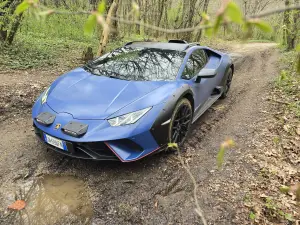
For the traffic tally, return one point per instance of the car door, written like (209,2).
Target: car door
(203,89)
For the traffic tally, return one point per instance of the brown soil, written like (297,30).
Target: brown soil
(155,190)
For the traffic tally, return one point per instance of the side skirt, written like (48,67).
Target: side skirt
(212,99)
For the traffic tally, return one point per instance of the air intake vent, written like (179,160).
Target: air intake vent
(178,41)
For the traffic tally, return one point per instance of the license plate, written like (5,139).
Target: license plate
(55,142)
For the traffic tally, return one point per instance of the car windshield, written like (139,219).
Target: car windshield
(138,64)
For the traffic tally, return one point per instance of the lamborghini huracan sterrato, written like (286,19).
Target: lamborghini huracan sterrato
(133,101)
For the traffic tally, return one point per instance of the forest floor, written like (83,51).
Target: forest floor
(157,190)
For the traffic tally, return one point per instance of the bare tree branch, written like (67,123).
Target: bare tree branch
(187,169)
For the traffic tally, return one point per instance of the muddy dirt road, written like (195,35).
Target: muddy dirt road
(156,190)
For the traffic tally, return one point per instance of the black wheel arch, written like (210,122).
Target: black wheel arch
(230,66)
(159,130)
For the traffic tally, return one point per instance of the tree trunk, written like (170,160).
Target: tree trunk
(106,30)
(199,33)
(287,23)
(9,26)
(14,29)
(160,11)
(296,26)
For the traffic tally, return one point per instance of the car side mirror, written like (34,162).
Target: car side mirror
(206,73)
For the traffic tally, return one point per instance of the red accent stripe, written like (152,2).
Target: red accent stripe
(132,159)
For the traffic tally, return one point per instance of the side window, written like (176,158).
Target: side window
(195,63)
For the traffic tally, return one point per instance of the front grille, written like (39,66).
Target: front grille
(98,148)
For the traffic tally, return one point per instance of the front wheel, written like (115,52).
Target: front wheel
(180,122)
(227,84)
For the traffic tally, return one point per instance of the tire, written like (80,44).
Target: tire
(180,122)
(227,84)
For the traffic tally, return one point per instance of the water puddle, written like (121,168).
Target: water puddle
(57,200)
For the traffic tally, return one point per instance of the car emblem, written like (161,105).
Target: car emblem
(57,126)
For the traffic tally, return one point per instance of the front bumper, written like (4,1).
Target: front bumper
(124,150)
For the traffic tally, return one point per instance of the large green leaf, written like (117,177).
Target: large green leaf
(234,13)
(90,25)
(102,7)
(262,25)
(22,7)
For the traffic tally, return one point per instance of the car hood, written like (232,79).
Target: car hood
(87,96)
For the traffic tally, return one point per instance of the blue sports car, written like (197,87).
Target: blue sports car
(133,101)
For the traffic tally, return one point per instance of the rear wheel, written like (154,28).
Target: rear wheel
(180,122)
(227,85)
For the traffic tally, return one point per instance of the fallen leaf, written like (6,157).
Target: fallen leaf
(284,189)
(17,205)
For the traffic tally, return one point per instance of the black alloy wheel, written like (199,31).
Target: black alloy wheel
(181,121)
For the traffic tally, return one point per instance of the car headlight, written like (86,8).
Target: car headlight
(129,118)
(45,95)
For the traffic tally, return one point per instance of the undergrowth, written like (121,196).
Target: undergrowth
(288,82)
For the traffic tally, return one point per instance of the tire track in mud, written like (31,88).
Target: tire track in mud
(159,191)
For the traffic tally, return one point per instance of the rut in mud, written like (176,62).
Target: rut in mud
(155,190)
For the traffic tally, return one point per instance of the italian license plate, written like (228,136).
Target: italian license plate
(55,142)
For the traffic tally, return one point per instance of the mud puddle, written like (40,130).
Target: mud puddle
(57,200)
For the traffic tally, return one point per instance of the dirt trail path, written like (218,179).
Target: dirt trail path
(155,190)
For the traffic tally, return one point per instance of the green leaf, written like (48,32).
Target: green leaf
(252,215)
(218,22)
(172,145)
(22,7)
(298,48)
(102,7)
(288,217)
(262,25)
(284,189)
(220,157)
(234,13)
(90,25)
(208,32)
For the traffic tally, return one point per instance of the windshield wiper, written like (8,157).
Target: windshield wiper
(116,77)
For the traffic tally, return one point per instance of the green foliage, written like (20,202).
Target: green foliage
(262,25)
(288,81)
(274,211)
(102,7)
(173,13)
(90,25)
(172,145)
(220,157)
(284,189)
(252,215)
(2,4)
(298,59)
(22,7)
(234,13)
